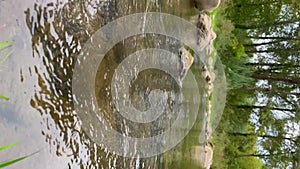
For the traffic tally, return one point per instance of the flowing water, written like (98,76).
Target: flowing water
(48,38)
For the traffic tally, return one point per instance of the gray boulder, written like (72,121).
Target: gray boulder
(207,5)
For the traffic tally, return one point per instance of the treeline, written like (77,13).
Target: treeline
(259,44)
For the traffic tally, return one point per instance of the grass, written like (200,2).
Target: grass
(4,97)
(213,18)
(218,89)
(219,138)
(11,162)
(3,46)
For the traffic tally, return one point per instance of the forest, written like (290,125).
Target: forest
(258,42)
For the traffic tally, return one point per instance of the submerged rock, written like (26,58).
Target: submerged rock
(151,79)
(186,61)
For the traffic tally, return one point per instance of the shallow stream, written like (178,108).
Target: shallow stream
(63,100)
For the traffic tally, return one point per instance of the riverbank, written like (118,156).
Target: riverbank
(216,94)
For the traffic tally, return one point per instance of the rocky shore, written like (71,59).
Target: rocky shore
(204,153)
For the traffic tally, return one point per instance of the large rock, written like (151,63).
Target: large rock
(203,155)
(206,34)
(207,5)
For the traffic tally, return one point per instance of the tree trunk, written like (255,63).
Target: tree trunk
(263,136)
(273,37)
(265,43)
(268,90)
(286,79)
(283,50)
(261,107)
(238,26)
(253,155)
(273,64)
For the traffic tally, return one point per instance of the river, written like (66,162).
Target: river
(65,97)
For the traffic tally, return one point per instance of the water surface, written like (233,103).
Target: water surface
(48,37)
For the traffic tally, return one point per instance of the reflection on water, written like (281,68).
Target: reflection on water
(58,33)
(140,87)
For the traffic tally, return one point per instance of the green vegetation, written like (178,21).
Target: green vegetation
(4,97)
(184,163)
(3,46)
(258,43)
(11,162)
